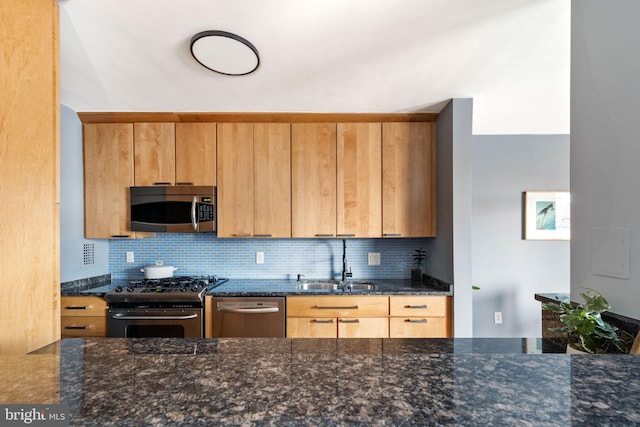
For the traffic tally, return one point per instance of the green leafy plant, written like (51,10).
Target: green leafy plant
(584,325)
(418,257)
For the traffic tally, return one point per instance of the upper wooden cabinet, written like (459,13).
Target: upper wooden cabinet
(254,184)
(313,179)
(155,153)
(108,174)
(408,180)
(195,154)
(272,179)
(359,180)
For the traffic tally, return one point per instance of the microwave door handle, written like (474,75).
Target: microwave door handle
(193,214)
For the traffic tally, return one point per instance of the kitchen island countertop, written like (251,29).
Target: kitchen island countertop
(279,381)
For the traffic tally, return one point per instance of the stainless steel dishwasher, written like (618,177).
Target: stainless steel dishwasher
(249,317)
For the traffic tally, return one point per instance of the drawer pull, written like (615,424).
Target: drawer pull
(416,306)
(161,183)
(330,307)
(324,235)
(347,235)
(392,235)
(323,321)
(76,327)
(241,235)
(77,307)
(262,235)
(416,320)
(184,183)
(349,321)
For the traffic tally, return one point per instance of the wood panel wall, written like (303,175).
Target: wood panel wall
(29,173)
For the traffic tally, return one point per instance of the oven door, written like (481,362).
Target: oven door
(155,322)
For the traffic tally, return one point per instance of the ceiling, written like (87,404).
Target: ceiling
(511,56)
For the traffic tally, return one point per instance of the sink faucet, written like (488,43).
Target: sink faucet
(345,274)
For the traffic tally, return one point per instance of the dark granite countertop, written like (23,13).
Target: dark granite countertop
(328,382)
(280,287)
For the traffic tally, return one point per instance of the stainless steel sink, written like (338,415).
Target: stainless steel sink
(335,286)
(319,286)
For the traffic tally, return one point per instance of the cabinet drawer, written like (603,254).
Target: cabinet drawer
(83,306)
(84,326)
(309,327)
(418,327)
(432,306)
(338,306)
(363,327)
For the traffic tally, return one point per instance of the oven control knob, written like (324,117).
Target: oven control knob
(130,289)
(118,289)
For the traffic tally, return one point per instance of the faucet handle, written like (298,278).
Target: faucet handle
(348,273)
(300,277)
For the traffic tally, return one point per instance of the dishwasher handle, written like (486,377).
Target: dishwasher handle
(248,310)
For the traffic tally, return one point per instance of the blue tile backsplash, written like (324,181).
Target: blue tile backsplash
(205,254)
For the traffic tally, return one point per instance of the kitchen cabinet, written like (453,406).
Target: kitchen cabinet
(83,316)
(313,179)
(408,180)
(420,316)
(359,180)
(155,153)
(254,180)
(195,154)
(108,174)
(339,316)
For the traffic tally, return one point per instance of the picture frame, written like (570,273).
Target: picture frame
(546,215)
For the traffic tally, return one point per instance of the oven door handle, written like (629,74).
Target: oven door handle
(193,214)
(249,310)
(123,317)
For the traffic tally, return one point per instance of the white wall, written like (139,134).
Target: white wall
(510,270)
(72,239)
(605,145)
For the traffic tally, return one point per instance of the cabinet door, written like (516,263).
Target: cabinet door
(155,153)
(363,327)
(272,179)
(359,180)
(412,305)
(108,174)
(408,180)
(195,154)
(83,326)
(338,306)
(235,180)
(309,327)
(419,327)
(92,306)
(313,179)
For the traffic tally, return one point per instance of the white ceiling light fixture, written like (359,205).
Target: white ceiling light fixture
(225,53)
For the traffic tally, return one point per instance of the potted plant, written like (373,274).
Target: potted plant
(584,326)
(418,258)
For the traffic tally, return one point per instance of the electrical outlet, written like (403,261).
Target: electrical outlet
(130,257)
(259,257)
(373,258)
(497,317)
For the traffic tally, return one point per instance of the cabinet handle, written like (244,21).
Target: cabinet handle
(324,235)
(416,320)
(262,235)
(416,306)
(391,234)
(349,321)
(347,235)
(241,235)
(181,183)
(161,183)
(76,327)
(120,236)
(322,321)
(329,307)
(77,307)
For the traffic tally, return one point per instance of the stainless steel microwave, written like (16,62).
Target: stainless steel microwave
(173,209)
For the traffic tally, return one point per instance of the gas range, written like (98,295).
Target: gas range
(178,291)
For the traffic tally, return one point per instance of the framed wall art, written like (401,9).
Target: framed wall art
(546,215)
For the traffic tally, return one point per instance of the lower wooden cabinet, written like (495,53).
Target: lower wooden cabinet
(352,316)
(420,316)
(83,317)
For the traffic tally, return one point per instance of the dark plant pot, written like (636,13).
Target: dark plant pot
(416,275)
